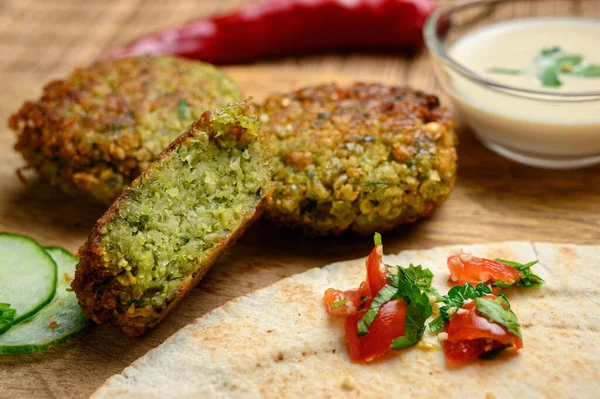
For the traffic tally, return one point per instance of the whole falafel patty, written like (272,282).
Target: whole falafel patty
(364,158)
(159,238)
(95,131)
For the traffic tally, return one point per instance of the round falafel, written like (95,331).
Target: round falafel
(365,158)
(96,131)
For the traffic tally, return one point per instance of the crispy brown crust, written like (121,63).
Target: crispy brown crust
(96,287)
(330,141)
(95,131)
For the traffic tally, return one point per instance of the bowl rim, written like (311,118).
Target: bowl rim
(434,45)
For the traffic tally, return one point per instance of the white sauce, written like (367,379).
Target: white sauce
(532,131)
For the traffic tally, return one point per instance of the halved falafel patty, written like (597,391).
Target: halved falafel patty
(364,158)
(95,131)
(160,237)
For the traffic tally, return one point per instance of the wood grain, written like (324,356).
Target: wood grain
(494,199)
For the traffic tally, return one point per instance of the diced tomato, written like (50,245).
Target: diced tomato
(471,335)
(475,270)
(463,351)
(387,326)
(376,270)
(389,322)
(354,298)
(376,280)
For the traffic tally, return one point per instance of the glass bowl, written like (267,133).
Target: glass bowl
(546,127)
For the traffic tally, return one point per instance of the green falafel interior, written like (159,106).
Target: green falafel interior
(159,238)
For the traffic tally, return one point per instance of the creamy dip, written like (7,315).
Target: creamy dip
(545,133)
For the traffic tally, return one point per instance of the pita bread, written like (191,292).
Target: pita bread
(279,342)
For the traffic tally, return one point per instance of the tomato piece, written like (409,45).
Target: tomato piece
(471,335)
(463,351)
(387,326)
(475,270)
(389,322)
(354,298)
(376,270)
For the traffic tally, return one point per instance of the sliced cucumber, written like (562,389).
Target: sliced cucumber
(27,276)
(55,323)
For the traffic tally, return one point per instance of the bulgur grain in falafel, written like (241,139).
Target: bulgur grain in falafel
(364,158)
(164,232)
(95,131)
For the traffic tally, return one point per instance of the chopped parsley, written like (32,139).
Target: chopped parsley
(409,284)
(548,77)
(494,311)
(7,315)
(386,294)
(589,71)
(527,280)
(549,51)
(454,300)
(377,239)
(550,63)
(339,303)
(505,71)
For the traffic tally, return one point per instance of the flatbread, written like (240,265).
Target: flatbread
(279,342)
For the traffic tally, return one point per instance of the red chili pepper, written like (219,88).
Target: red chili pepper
(290,27)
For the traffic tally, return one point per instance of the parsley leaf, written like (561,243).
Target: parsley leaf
(377,239)
(455,299)
(422,278)
(384,295)
(339,303)
(459,294)
(409,284)
(505,71)
(589,71)
(493,310)
(548,76)
(7,315)
(527,280)
(549,51)
(418,310)
(437,324)
(566,62)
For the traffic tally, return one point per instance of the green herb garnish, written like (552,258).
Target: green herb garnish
(417,312)
(505,71)
(589,71)
(7,315)
(409,284)
(549,51)
(527,280)
(566,63)
(455,299)
(493,310)
(182,109)
(339,303)
(548,77)
(377,239)
(386,294)
(550,63)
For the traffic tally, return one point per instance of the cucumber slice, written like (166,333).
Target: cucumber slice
(27,277)
(36,333)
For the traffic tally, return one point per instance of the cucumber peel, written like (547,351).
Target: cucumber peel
(55,323)
(27,278)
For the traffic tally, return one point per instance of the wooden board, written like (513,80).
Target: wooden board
(494,199)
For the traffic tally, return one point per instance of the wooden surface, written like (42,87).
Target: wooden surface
(494,199)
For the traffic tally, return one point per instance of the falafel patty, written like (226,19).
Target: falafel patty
(364,158)
(164,232)
(95,131)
